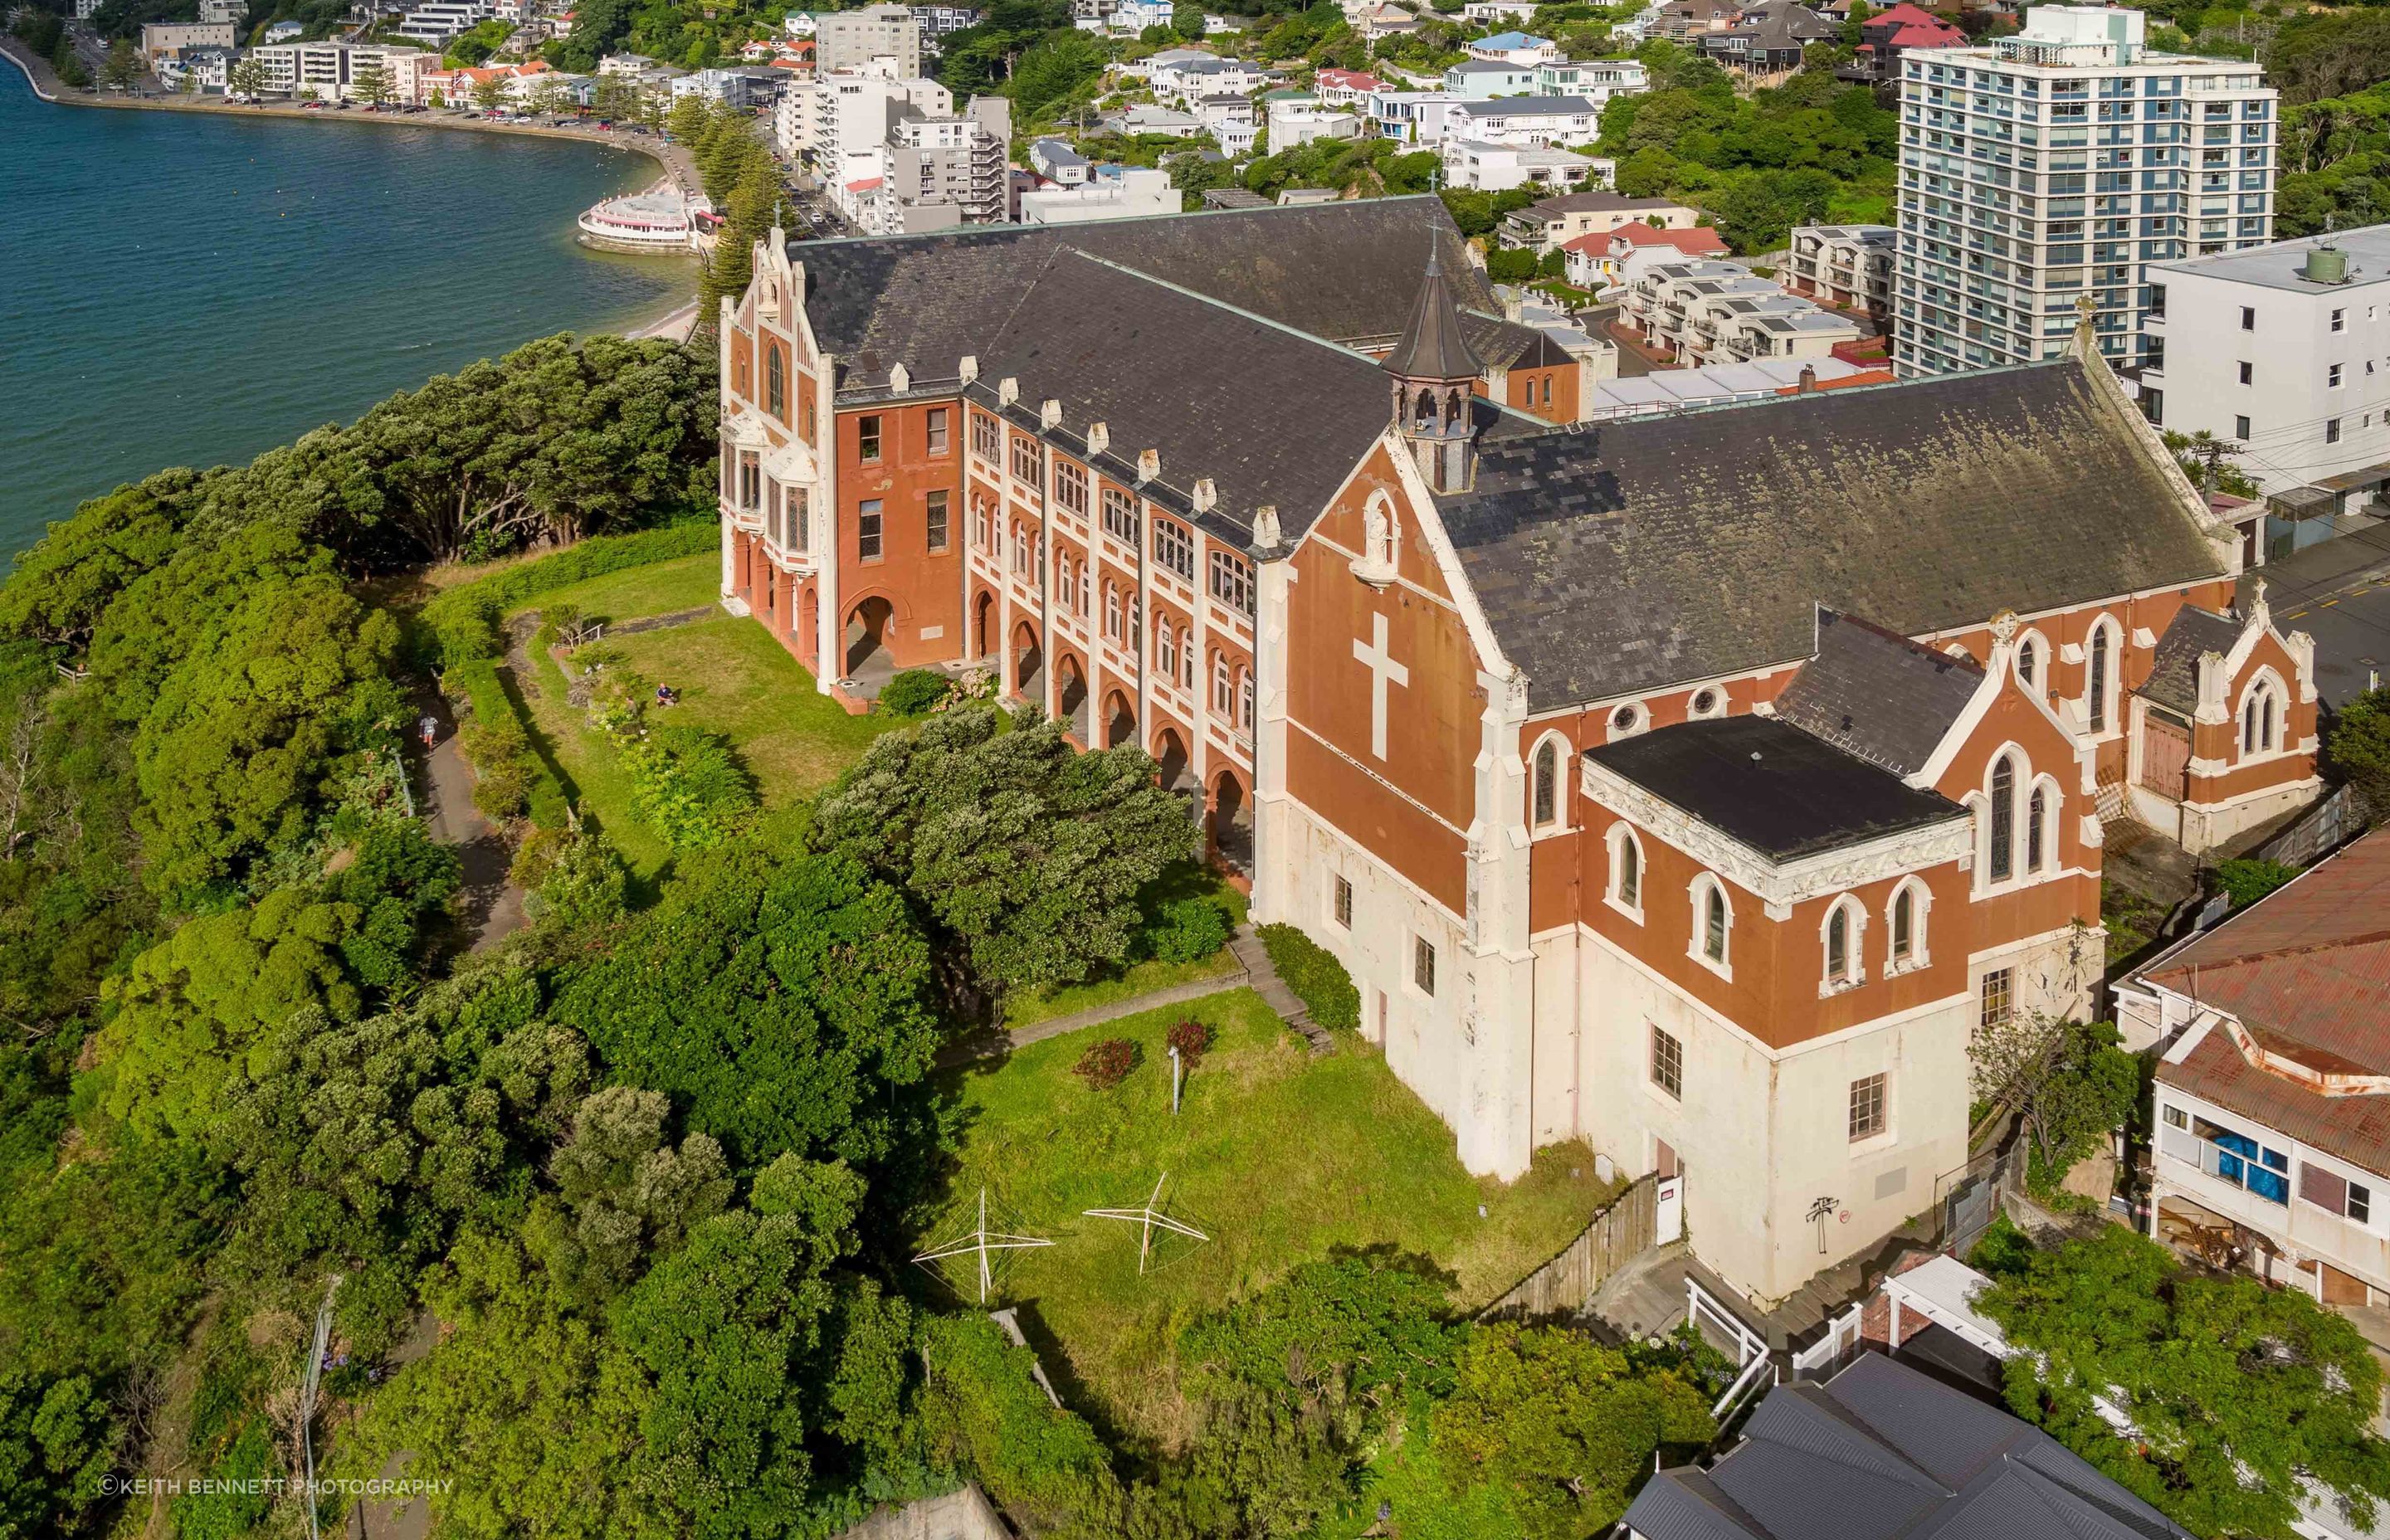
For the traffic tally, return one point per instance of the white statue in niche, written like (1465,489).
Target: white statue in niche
(1378,537)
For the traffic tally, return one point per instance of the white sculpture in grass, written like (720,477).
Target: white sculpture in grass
(977,1245)
(1148,1218)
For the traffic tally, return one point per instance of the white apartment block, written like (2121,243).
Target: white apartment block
(2056,165)
(1597,80)
(222,10)
(1292,123)
(846,39)
(1112,193)
(2284,351)
(1849,266)
(1476,166)
(326,71)
(161,38)
(439,21)
(1712,313)
(1532,121)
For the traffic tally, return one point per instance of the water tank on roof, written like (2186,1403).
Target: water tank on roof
(2325,265)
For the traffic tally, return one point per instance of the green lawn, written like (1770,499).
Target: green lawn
(659,588)
(1280,1157)
(1022,1011)
(732,678)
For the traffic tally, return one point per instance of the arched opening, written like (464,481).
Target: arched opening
(1120,721)
(808,632)
(1171,761)
(866,640)
(1232,822)
(2001,838)
(1028,664)
(984,627)
(1070,696)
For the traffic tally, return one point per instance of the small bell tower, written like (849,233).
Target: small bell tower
(1433,370)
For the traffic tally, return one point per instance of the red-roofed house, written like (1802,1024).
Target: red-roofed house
(1600,260)
(2273,1091)
(1344,87)
(1886,35)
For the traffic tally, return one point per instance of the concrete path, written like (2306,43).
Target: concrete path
(494,906)
(1252,971)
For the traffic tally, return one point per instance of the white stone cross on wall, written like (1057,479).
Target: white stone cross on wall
(1384,671)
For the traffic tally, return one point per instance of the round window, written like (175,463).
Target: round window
(1623,718)
(1705,702)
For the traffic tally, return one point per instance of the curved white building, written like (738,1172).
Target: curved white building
(660,220)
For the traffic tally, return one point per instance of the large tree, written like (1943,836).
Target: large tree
(1029,853)
(2237,1394)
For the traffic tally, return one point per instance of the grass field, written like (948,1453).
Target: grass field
(1280,1157)
(659,588)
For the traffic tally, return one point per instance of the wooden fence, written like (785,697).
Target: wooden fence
(2326,826)
(1561,1286)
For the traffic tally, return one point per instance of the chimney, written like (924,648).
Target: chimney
(900,379)
(1049,412)
(1099,437)
(1148,464)
(1205,495)
(1808,379)
(969,369)
(1007,391)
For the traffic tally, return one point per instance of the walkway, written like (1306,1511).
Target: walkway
(494,905)
(1252,971)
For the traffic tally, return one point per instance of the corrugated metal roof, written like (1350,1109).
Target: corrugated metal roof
(2355,1128)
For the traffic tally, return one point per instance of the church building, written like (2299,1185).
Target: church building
(1691,785)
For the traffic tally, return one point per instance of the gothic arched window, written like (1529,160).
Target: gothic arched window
(2095,693)
(2036,829)
(2001,856)
(1548,783)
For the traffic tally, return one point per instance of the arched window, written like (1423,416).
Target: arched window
(1187,663)
(1838,944)
(1548,783)
(2028,664)
(1904,927)
(1165,652)
(1219,684)
(2095,688)
(2260,717)
(2036,829)
(1712,920)
(1111,612)
(2000,856)
(776,385)
(1625,870)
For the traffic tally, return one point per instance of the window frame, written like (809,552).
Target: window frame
(1713,913)
(938,430)
(1869,1111)
(937,519)
(870,439)
(1231,581)
(1340,901)
(1664,1063)
(1174,549)
(1422,980)
(870,530)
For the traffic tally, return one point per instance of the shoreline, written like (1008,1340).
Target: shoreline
(46,86)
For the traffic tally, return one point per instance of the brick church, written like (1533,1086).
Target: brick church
(1692,785)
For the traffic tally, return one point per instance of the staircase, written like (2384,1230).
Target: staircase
(1249,951)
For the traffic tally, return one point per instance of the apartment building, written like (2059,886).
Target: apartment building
(847,39)
(1532,121)
(2054,167)
(1109,192)
(1477,166)
(1848,266)
(894,156)
(439,21)
(1710,313)
(161,39)
(2284,351)
(326,71)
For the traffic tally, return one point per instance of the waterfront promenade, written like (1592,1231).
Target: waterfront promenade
(672,157)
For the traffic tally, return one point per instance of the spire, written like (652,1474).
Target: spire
(1433,346)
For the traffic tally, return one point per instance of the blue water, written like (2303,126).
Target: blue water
(188,289)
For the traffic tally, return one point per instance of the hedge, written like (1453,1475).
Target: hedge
(1315,975)
(467,618)
(985,1413)
(509,777)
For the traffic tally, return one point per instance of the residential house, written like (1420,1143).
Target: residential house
(1597,80)
(1478,166)
(1480,80)
(1109,192)
(2273,1082)
(1161,121)
(1681,19)
(1412,117)
(1885,1449)
(1554,222)
(1523,48)
(1385,21)
(1718,312)
(1191,79)
(1601,259)
(164,38)
(1297,120)
(1344,87)
(1886,36)
(1847,266)
(1492,11)
(1058,162)
(1232,121)
(1768,39)
(1528,121)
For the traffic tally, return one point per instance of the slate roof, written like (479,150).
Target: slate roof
(1882,1451)
(1511,107)
(1512,344)
(1777,789)
(2174,666)
(1592,202)
(1619,557)
(1347,272)
(1087,333)
(1877,694)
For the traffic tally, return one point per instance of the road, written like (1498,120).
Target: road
(2338,593)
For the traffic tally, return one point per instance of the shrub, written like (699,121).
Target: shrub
(574,878)
(510,780)
(915,692)
(1315,975)
(1186,930)
(1107,1063)
(984,1412)
(689,786)
(2247,881)
(1192,1039)
(466,619)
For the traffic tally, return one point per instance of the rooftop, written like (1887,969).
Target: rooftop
(1504,107)
(1783,793)
(2174,667)
(1618,556)
(1593,203)
(1881,1451)
(2276,266)
(1877,694)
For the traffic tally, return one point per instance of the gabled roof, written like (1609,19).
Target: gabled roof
(2174,666)
(1701,240)
(1593,202)
(1347,271)
(1772,786)
(2306,968)
(1615,558)
(1877,694)
(1880,1452)
(1512,40)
